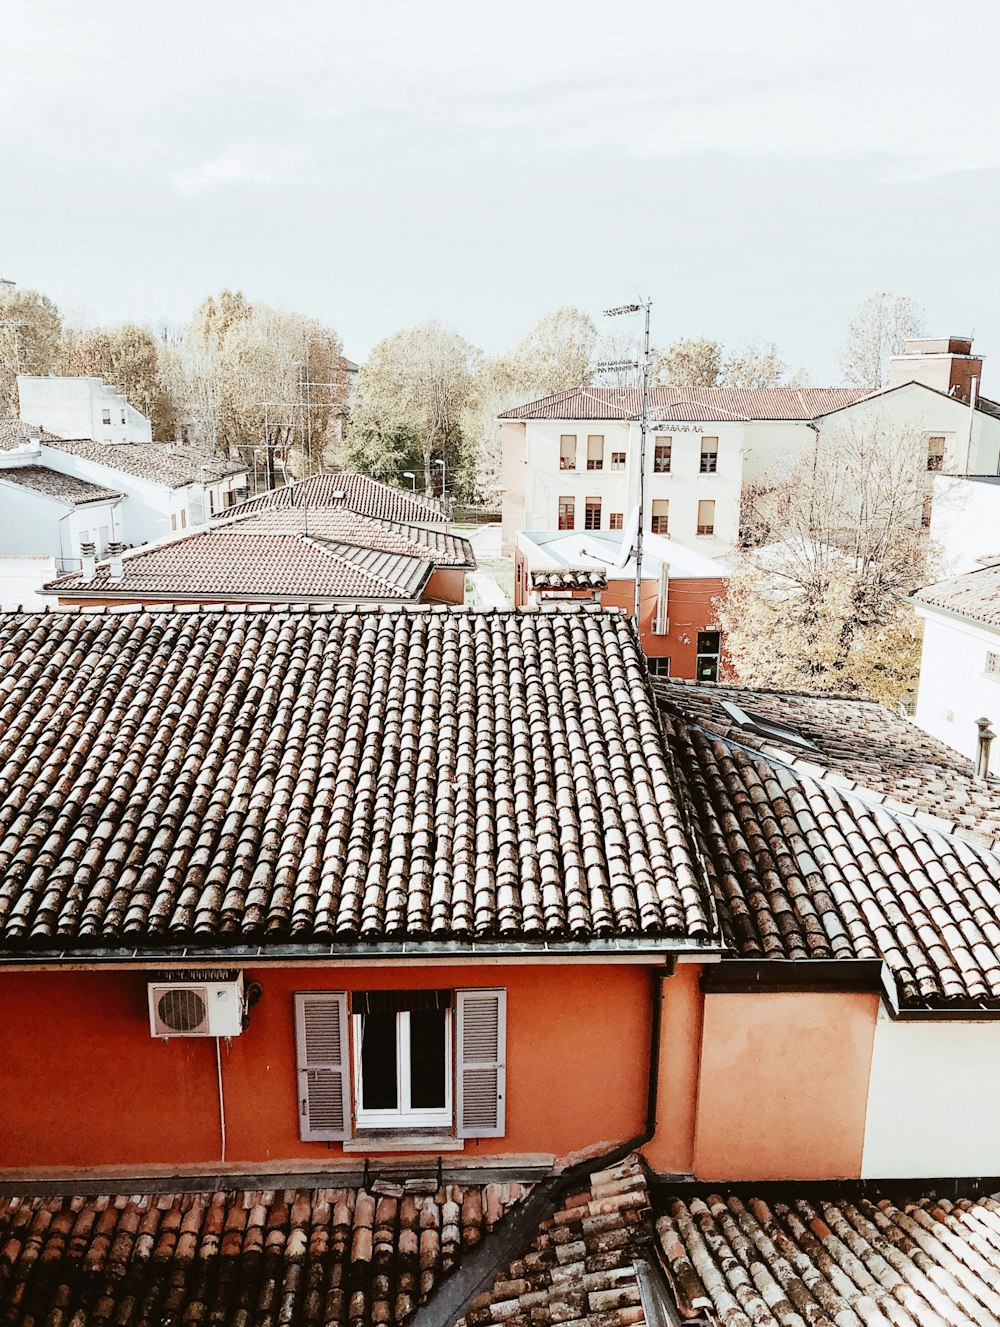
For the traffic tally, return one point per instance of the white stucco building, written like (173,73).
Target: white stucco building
(56,493)
(81,408)
(960,655)
(571,461)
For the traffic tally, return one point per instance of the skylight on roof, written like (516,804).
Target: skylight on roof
(765,727)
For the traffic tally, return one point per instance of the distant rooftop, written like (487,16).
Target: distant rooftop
(974,595)
(708,404)
(68,489)
(360,493)
(601,550)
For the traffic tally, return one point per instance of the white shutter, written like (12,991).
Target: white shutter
(482,1047)
(321,1040)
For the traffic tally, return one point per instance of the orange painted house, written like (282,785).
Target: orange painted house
(678,598)
(286,893)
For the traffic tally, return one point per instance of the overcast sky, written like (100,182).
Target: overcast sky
(757,166)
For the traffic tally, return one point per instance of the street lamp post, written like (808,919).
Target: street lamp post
(617,312)
(408,474)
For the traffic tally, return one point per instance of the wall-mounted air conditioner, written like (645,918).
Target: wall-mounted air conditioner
(213,1007)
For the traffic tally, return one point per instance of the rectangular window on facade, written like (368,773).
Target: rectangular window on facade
(617,460)
(567,513)
(595,451)
(659,667)
(706,517)
(616,520)
(709,455)
(993,665)
(661,516)
(106,416)
(935,453)
(123,416)
(709,651)
(184,519)
(661,455)
(592,514)
(173,520)
(426,1059)
(211,502)
(567,451)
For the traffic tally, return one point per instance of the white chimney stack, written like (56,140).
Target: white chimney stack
(117,571)
(88,554)
(986,738)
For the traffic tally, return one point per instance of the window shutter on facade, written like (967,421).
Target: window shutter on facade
(324,1081)
(482,1044)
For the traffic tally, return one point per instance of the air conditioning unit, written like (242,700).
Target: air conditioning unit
(213,1007)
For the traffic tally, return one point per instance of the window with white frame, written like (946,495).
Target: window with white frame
(709,652)
(993,665)
(106,416)
(661,454)
(709,455)
(567,451)
(595,451)
(371,1061)
(617,460)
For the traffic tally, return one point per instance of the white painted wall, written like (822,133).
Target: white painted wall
(36,525)
(81,408)
(955,690)
(531,461)
(965,522)
(20,579)
(933,1099)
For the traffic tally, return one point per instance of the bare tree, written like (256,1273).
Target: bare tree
(822,605)
(690,362)
(30,340)
(875,333)
(754,363)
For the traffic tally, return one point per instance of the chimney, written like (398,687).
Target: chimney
(946,363)
(117,572)
(88,553)
(983,744)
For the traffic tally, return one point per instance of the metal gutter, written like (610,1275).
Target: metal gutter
(651,950)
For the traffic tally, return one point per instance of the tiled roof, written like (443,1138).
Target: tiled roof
(975,595)
(803,869)
(349,527)
(915,1262)
(265,1257)
(158,462)
(268,777)
(359,493)
(237,565)
(580,1267)
(568,578)
(708,404)
(67,488)
(858,743)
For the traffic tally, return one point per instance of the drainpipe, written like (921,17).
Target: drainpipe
(984,741)
(972,419)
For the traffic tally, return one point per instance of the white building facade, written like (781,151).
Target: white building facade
(81,408)
(571,461)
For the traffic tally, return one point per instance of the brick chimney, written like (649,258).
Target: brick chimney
(944,363)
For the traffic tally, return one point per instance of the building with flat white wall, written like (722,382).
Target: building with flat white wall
(960,658)
(965,522)
(81,408)
(571,461)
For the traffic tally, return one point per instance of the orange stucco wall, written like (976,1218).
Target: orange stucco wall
(784,1085)
(445,586)
(671,1150)
(85,1086)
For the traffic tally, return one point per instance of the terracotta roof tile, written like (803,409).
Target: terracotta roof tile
(346,526)
(579,1267)
(709,404)
(568,578)
(803,869)
(52,483)
(285,777)
(267,1257)
(359,493)
(159,462)
(747,1262)
(238,564)
(975,595)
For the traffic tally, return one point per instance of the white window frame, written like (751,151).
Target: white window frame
(405,1117)
(992,669)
